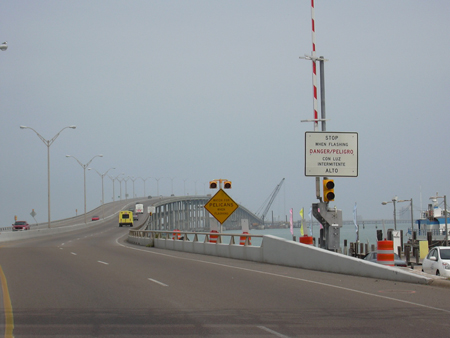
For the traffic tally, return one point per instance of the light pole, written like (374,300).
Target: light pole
(113,179)
(84,166)
(103,191)
(48,143)
(133,179)
(144,179)
(445,215)
(157,185)
(394,200)
(126,188)
(120,182)
(4,46)
(171,178)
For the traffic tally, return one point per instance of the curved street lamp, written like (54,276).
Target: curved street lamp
(113,179)
(103,191)
(132,178)
(84,166)
(144,179)
(394,200)
(157,185)
(126,186)
(48,143)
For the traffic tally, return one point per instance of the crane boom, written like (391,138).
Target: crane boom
(272,197)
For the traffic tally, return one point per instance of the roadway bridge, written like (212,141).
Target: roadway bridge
(188,213)
(87,279)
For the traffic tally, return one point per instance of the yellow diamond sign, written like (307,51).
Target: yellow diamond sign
(221,206)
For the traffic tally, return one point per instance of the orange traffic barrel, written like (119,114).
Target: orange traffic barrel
(243,239)
(176,234)
(213,238)
(307,240)
(385,252)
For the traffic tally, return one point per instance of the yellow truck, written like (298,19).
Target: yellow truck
(126,218)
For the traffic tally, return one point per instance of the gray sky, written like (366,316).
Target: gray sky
(202,90)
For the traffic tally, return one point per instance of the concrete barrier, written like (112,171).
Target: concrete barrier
(275,250)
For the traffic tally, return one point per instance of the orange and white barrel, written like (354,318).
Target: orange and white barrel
(307,240)
(213,238)
(243,239)
(385,252)
(176,234)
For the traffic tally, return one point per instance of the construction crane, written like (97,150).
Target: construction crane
(271,199)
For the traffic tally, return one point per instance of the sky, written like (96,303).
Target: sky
(184,92)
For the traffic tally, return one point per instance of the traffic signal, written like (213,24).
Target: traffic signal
(212,185)
(328,190)
(227,185)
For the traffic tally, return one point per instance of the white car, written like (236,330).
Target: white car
(437,261)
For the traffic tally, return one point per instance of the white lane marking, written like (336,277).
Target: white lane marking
(157,282)
(103,262)
(73,253)
(272,331)
(288,277)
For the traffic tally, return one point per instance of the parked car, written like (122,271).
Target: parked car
(20,225)
(372,257)
(95,218)
(437,261)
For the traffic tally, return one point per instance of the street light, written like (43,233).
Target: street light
(144,179)
(394,200)
(113,179)
(48,143)
(157,185)
(4,46)
(84,166)
(126,189)
(172,178)
(103,191)
(120,182)
(133,179)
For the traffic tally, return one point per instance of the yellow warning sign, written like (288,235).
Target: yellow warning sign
(221,206)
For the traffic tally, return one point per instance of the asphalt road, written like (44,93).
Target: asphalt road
(91,283)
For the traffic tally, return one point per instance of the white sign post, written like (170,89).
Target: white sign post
(331,154)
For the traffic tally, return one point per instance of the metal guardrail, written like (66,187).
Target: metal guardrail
(191,236)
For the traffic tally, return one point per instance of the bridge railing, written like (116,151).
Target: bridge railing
(196,237)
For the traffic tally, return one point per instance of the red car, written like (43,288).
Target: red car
(95,218)
(20,225)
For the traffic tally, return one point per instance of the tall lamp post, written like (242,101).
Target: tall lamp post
(144,179)
(394,200)
(126,188)
(84,166)
(113,179)
(133,179)
(171,179)
(48,143)
(103,191)
(157,185)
